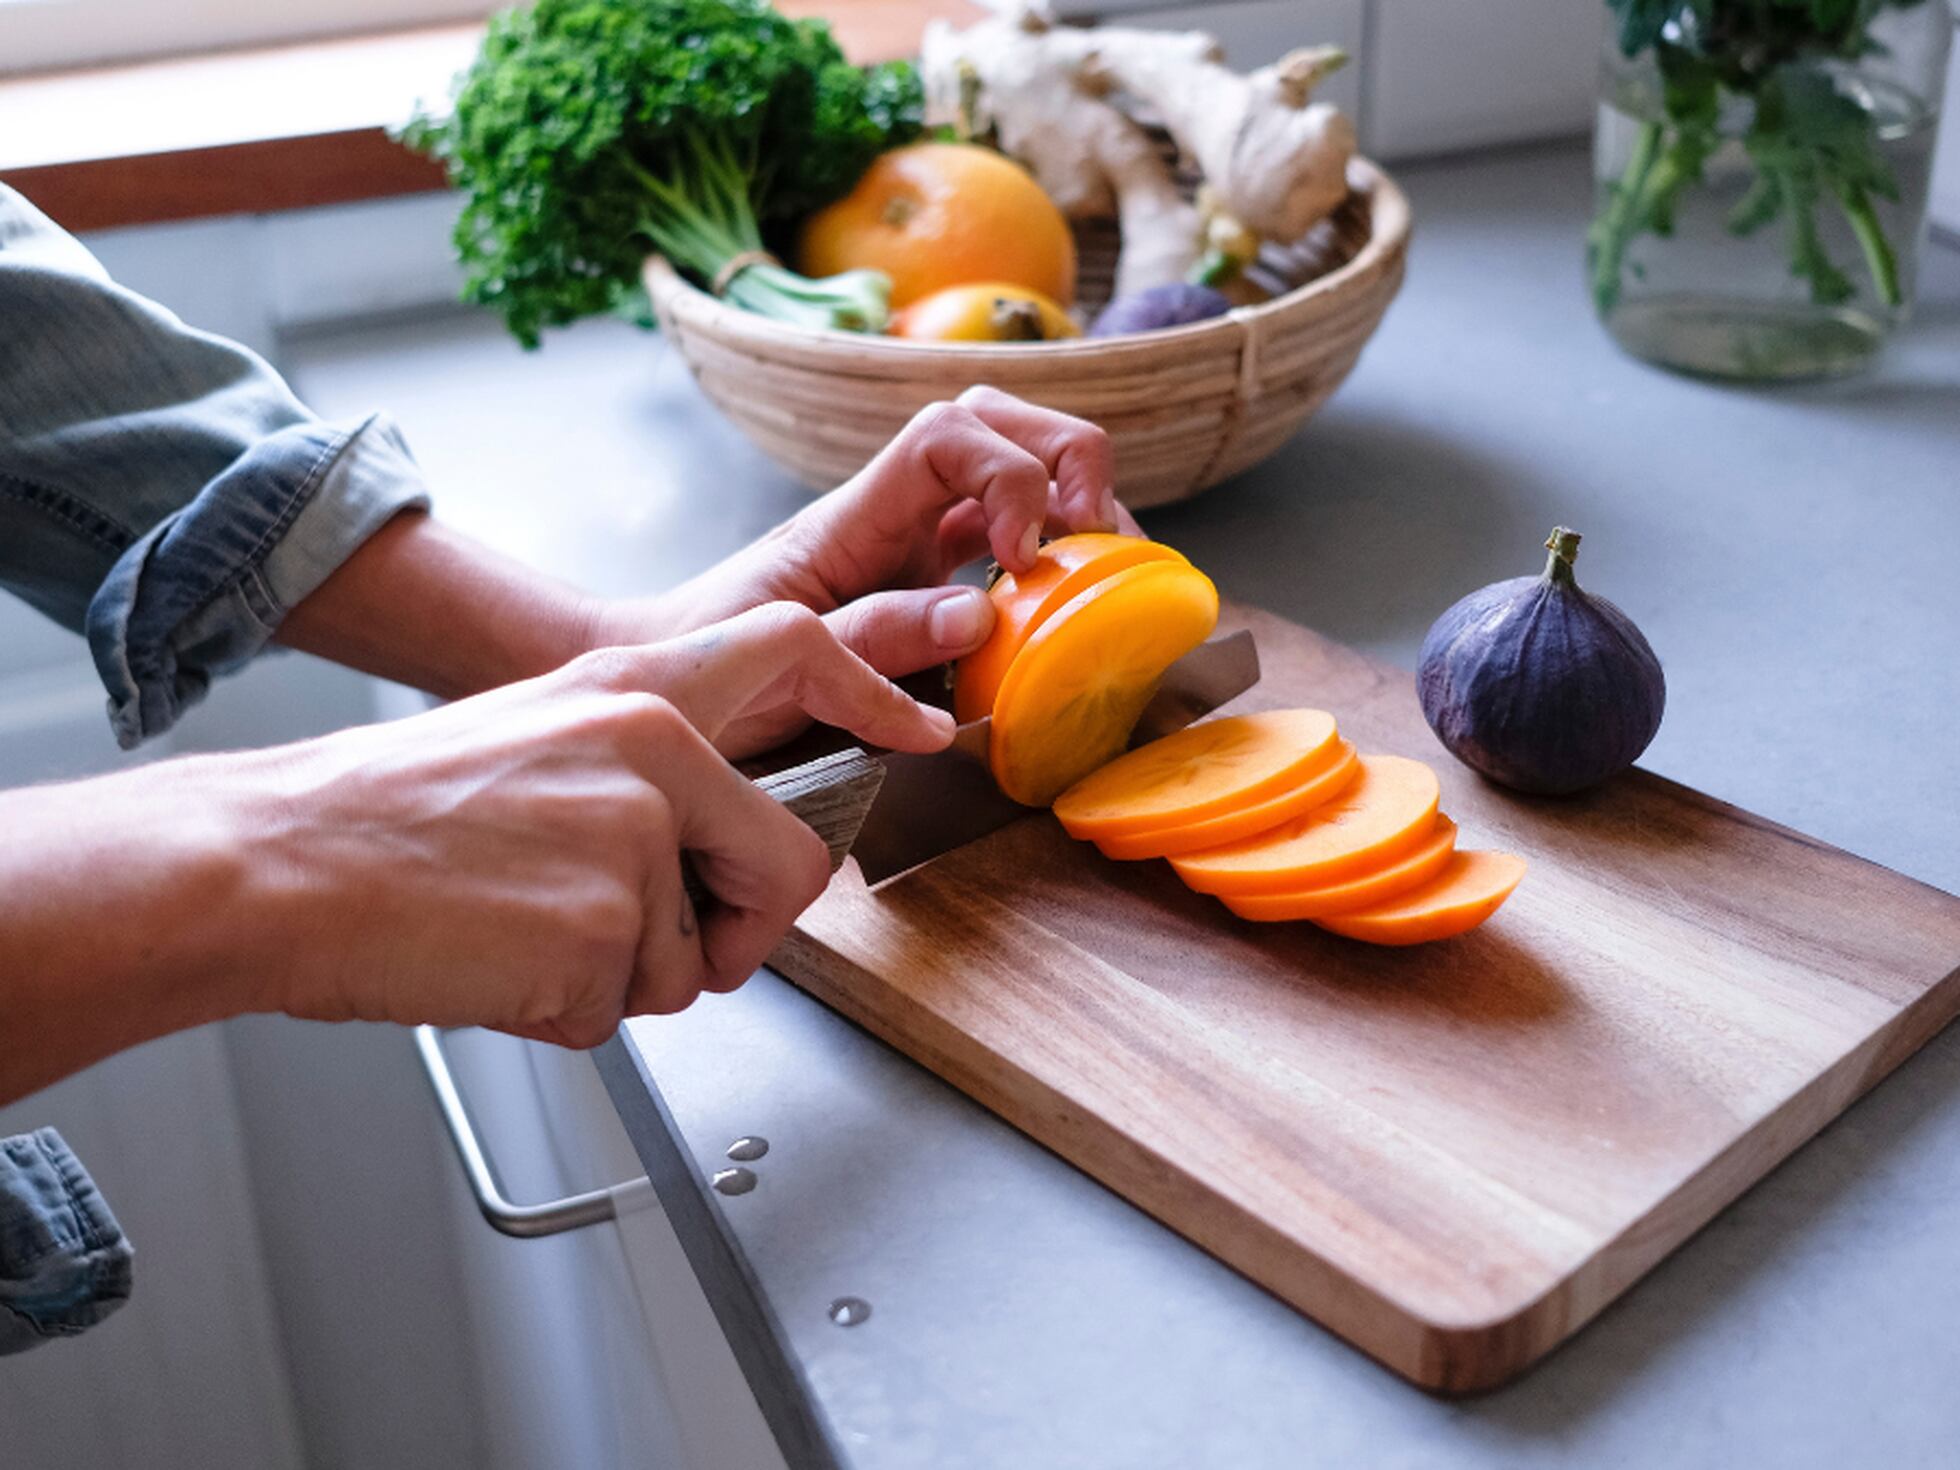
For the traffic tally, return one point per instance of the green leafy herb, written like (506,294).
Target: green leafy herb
(589,133)
(1809,142)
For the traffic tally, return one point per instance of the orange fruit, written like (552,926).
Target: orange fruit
(1470,888)
(1062,568)
(932,215)
(1388,810)
(1074,692)
(992,312)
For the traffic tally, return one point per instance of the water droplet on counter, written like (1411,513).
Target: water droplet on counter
(848,1311)
(734,1181)
(747,1150)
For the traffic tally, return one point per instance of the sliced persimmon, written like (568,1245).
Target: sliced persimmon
(1335,771)
(1413,869)
(1201,771)
(1023,602)
(1471,887)
(1073,694)
(1389,809)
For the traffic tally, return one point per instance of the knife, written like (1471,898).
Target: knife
(895,811)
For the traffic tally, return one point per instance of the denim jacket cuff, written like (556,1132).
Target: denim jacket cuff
(64,1261)
(207,588)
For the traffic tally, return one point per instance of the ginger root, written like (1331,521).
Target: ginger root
(1273,162)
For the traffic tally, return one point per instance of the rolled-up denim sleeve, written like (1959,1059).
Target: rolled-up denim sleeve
(160,487)
(64,1261)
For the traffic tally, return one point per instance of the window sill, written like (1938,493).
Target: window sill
(284,127)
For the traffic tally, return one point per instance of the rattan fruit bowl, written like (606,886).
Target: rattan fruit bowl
(1187,407)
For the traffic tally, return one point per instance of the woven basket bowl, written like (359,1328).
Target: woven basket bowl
(1186,407)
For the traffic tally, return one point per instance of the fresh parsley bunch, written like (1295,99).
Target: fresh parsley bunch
(590,133)
(1809,142)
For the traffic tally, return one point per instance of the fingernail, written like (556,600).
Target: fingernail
(1030,544)
(942,722)
(958,619)
(1106,508)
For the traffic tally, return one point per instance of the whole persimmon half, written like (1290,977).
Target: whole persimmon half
(932,215)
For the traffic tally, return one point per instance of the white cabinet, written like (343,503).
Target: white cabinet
(192,1372)
(1430,76)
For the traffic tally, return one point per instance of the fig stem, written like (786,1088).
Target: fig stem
(1564,547)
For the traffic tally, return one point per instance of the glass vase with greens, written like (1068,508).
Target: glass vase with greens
(1762,171)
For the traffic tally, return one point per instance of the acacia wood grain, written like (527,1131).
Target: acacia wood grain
(1452,1155)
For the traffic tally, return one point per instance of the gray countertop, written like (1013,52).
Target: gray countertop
(1792,556)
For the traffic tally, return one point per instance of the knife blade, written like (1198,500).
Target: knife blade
(930,804)
(895,811)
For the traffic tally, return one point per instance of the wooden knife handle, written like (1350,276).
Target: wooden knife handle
(831,795)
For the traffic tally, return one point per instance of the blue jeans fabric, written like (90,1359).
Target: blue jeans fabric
(64,1262)
(160,488)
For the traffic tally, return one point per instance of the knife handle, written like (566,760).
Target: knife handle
(830,795)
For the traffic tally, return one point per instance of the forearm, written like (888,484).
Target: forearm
(127,910)
(426,606)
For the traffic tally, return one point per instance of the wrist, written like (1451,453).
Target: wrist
(124,915)
(627,622)
(423,605)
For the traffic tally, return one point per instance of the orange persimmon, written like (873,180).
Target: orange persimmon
(1023,602)
(1389,809)
(1201,771)
(1411,870)
(1072,695)
(1470,888)
(1330,776)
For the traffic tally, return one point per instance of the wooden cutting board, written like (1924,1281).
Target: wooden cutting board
(1452,1155)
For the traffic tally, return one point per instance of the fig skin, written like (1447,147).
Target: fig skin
(1540,686)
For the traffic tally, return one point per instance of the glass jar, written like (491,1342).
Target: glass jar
(1761,185)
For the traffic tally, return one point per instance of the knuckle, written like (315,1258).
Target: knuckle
(983,395)
(585,1031)
(645,718)
(790,622)
(940,418)
(610,925)
(604,668)
(652,817)
(666,995)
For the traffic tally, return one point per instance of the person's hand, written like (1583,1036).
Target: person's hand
(514,860)
(988,472)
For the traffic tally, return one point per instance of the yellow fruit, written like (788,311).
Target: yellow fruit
(993,311)
(933,215)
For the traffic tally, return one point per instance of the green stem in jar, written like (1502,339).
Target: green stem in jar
(1880,259)
(1620,220)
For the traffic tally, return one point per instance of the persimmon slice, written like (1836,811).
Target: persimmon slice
(1336,769)
(1072,696)
(1062,568)
(1389,809)
(1470,888)
(1411,870)
(1201,771)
